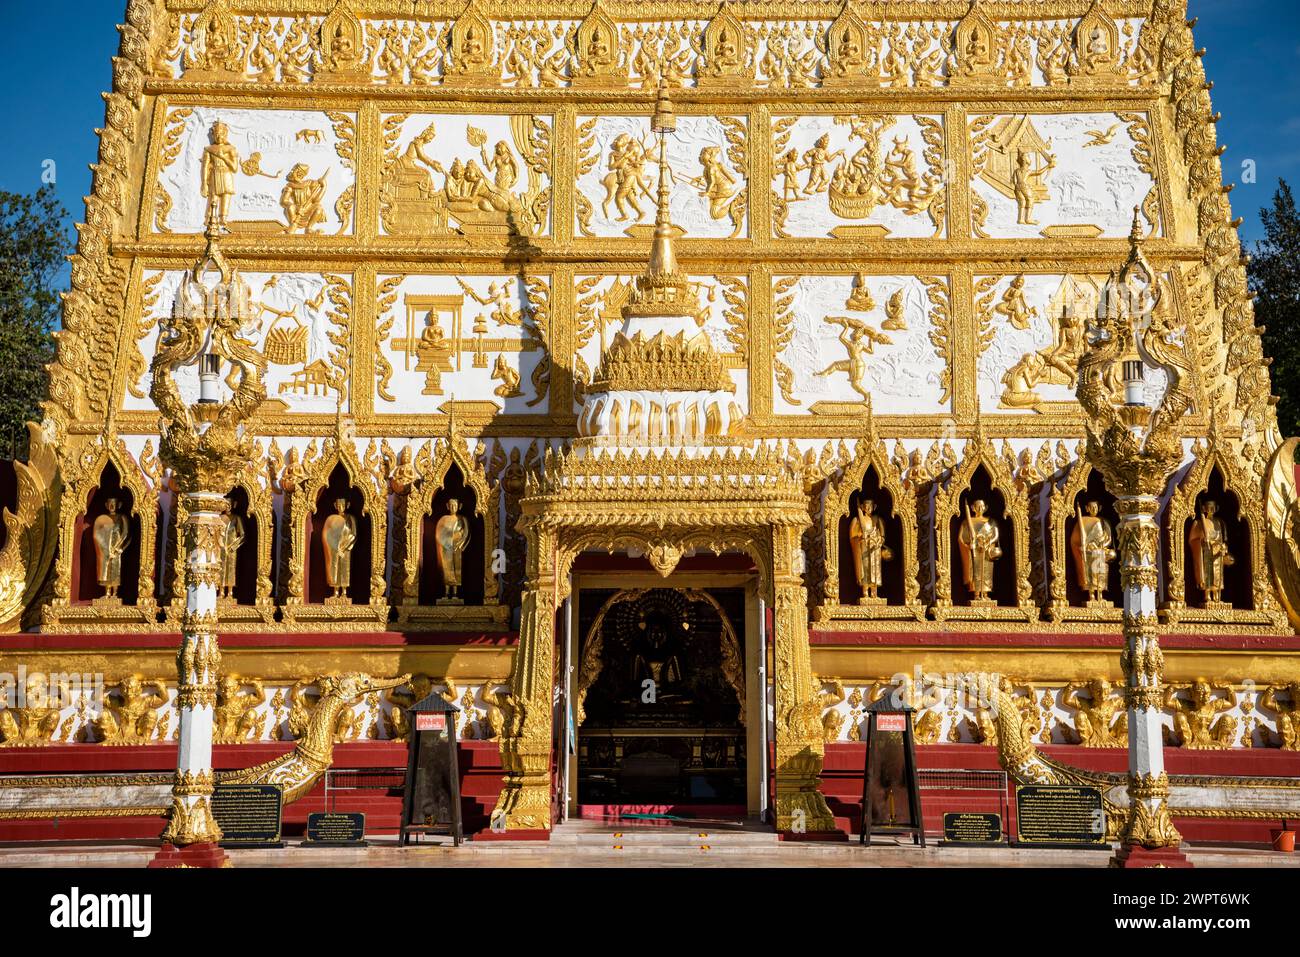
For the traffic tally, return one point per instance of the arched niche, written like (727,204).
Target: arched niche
(92,474)
(433,586)
(251,600)
(982,475)
(338,488)
(85,585)
(1216,474)
(336,473)
(1082,484)
(446,470)
(870,475)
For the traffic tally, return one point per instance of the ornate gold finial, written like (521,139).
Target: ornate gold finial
(663,258)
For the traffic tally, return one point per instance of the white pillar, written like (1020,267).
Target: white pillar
(198,664)
(1149,824)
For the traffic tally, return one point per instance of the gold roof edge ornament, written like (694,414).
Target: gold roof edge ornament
(32,533)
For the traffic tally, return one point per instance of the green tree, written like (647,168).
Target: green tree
(34,244)
(1275,280)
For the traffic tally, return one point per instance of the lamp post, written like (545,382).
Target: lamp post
(1137,448)
(205,445)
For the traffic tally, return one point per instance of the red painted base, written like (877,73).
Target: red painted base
(1132,856)
(540,834)
(195,855)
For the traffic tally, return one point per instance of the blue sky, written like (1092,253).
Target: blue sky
(50,84)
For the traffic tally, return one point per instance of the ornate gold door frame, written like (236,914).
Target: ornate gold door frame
(744,635)
(557,533)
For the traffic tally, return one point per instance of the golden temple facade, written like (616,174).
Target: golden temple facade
(590,327)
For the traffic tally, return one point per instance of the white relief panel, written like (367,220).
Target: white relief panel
(467,338)
(850,337)
(292,322)
(859,177)
(483,175)
(723,317)
(281,169)
(619,181)
(1033,327)
(1069,175)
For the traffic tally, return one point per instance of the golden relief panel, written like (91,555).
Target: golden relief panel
(859,176)
(618,171)
(723,316)
(1061,175)
(257,172)
(482,340)
(300,322)
(846,341)
(486,177)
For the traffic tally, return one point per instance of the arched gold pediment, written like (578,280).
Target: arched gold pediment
(83,472)
(850,46)
(975,46)
(726,52)
(1217,453)
(596,51)
(433,462)
(301,502)
(1096,44)
(979,453)
(471,48)
(870,454)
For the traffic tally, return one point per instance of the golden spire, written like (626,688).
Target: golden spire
(663,259)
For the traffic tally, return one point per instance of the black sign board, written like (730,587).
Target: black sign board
(248,814)
(1050,815)
(431,803)
(970,827)
(891,798)
(336,829)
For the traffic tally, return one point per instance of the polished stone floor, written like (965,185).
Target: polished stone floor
(586,844)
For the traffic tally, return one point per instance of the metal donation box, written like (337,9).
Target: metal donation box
(891,799)
(431,804)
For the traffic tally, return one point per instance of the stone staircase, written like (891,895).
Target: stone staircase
(650,837)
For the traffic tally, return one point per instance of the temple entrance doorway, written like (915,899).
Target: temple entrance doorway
(665,690)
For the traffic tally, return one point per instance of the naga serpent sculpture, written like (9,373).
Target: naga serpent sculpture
(298,771)
(1026,764)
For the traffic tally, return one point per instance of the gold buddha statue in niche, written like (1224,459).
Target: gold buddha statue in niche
(1208,544)
(867,541)
(231,538)
(338,536)
(978,540)
(1092,545)
(451,538)
(112,535)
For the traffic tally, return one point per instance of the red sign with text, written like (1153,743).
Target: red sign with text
(430,722)
(891,722)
